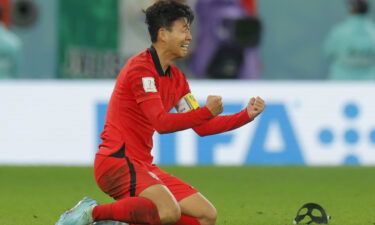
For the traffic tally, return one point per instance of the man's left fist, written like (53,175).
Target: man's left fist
(255,107)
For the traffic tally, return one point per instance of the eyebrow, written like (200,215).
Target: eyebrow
(186,25)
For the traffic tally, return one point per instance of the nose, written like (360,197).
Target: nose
(189,37)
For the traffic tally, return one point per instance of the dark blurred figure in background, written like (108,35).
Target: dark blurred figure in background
(351,45)
(10,45)
(227,40)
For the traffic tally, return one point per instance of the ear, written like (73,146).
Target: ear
(163,34)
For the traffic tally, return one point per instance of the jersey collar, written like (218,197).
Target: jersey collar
(157,64)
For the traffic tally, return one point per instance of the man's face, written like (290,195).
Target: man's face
(178,38)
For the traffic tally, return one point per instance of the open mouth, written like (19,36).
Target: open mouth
(185,47)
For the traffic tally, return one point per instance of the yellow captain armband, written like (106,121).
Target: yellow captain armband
(187,103)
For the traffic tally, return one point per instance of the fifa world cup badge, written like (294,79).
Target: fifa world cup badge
(149,84)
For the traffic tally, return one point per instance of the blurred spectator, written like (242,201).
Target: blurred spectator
(134,37)
(10,51)
(227,38)
(351,45)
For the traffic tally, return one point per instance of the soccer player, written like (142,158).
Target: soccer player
(147,88)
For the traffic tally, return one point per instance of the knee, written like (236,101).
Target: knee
(209,217)
(170,215)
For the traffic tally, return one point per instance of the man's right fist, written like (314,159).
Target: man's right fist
(214,104)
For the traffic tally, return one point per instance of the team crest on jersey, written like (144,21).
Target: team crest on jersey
(149,84)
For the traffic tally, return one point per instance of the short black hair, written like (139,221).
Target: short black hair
(164,13)
(359,6)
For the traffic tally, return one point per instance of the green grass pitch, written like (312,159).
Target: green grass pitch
(242,195)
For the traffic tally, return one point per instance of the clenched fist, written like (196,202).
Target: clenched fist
(214,104)
(255,107)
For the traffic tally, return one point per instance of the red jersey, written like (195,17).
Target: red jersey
(141,79)
(139,105)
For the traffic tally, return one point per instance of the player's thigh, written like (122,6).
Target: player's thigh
(198,206)
(191,202)
(168,207)
(179,188)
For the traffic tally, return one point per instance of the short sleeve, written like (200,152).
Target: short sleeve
(143,84)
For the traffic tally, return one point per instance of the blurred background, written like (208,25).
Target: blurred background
(60,39)
(59,60)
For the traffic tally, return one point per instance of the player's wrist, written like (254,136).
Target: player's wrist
(246,115)
(207,112)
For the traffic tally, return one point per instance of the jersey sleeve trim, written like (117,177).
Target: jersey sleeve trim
(148,97)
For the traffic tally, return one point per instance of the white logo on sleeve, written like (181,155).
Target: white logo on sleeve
(149,84)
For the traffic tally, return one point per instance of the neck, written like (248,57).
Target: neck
(165,57)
